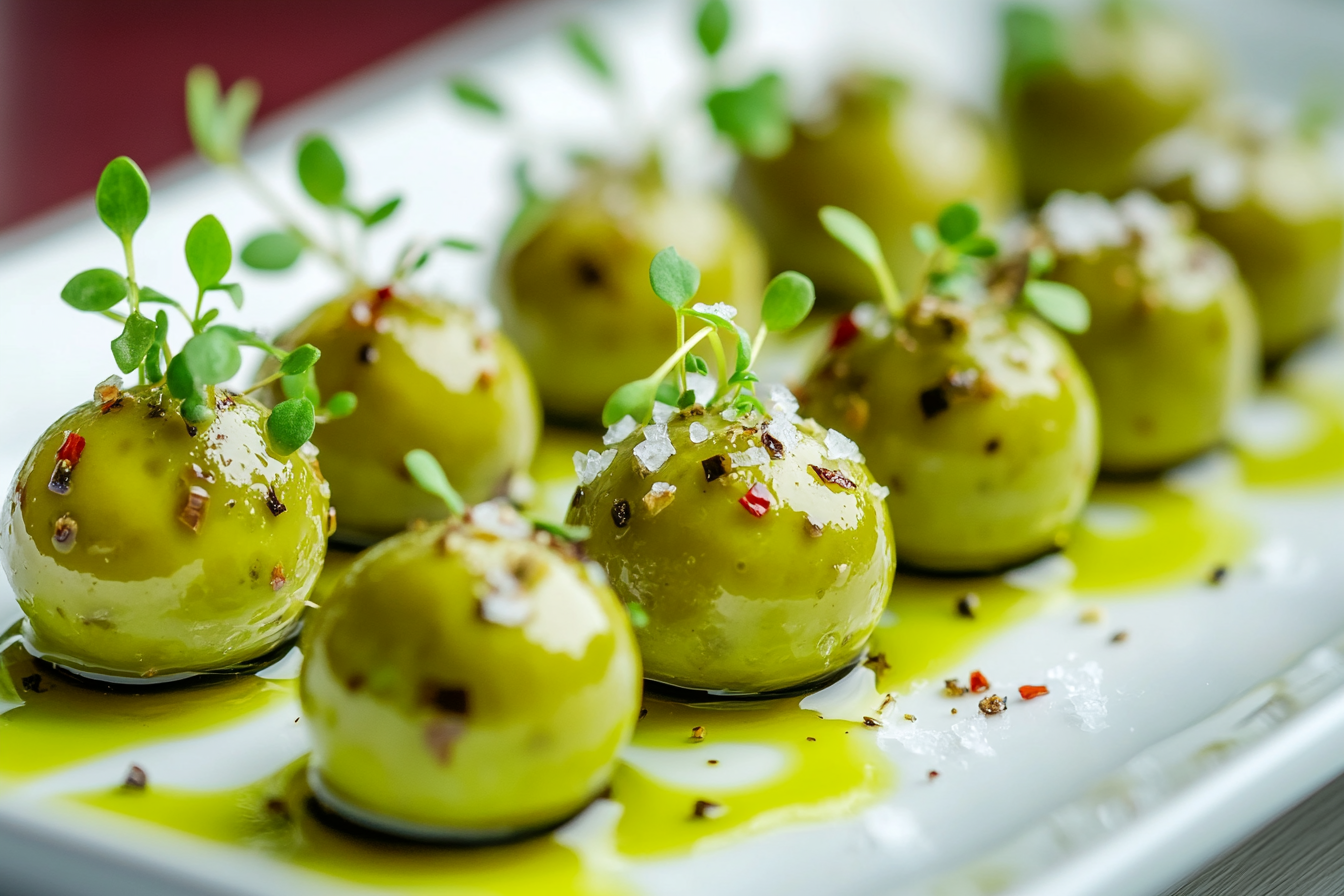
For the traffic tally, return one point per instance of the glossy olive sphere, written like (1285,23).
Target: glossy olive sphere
(572,282)
(468,681)
(761,561)
(1173,346)
(981,423)
(168,552)
(1275,200)
(427,375)
(1083,98)
(893,154)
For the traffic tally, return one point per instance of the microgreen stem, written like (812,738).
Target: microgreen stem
(134,288)
(720,362)
(681,352)
(886,284)
(112,315)
(757,343)
(196,318)
(681,339)
(261,384)
(282,213)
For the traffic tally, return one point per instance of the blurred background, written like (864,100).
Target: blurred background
(84,80)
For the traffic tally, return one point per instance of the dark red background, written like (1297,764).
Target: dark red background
(84,80)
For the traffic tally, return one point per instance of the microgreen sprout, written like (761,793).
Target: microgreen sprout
(427,473)
(955,252)
(787,301)
(219,122)
(211,355)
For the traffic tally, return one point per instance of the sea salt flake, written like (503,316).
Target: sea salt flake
(663,412)
(785,433)
(838,447)
(718,309)
(659,496)
(619,431)
(730,414)
(781,402)
(703,386)
(504,603)
(1082,223)
(499,518)
(591,465)
(699,432)
(656,448)
(1081,687)
(755,456)
(879,491)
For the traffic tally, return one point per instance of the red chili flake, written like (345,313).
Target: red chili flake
(979,682)
(67,458)
(277,577)
(1032,691)
(846,331)
(773,445)
(832,477)
(385,294)
(113,405)
(273,502)
(756,500)
(932,774)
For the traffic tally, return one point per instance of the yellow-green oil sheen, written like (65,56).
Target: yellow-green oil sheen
(822,768)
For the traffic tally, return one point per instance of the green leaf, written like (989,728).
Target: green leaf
(161,328)
(130,348)
(272,251)
(957,222)
(471,94)
(1060,304)
(153,364)
(196,410)
(788,301)
(686,399)
(666,393)
(180,381)
(755,118)
(321,171)
(382,212)
(247,337)
(562,530)
(696,364)
(674,279)
(635,399)
(122,197)
(235,291)
(209,253)
(852,233)
(639,617)
(427,473)
(300,360)
(202,102)
(590,54)
(291,424)
(302,385)
(217,125)
(209,316)
(709,317)
(978,247)
(96,289)
(1034,41)
(212,357)
(743,376)
(712,26)
(925,238)
(342,404)
(154,297)
(1040,261)
(460,244)
(743,349)
(747,402)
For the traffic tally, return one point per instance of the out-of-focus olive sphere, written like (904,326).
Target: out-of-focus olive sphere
(572,282)
(892,153)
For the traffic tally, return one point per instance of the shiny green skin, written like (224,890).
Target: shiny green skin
(1079,123)
(140,594)
(1168,375)
(1291,261)
(736,603)
(894,156)
(548,704)
(439,382)
(572,283)
(990,482)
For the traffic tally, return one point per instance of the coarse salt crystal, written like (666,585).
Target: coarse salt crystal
(1082,223)
(781,402)
(620,430)
(838,447)
(656,448)
(699,432)
(785,433)
(730,414)
(591,465)
(703,385)
(504,603)
(660,495)
(663,412)
(879,491)
(499,518)
(755,456)
(718,309)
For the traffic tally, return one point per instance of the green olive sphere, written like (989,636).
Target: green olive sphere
(572,282)
(468,680)
(1273,197)
(1173,346)
(981,422)
(149,552)
(1083,97)
(427,375)
(894,155)
(760,552)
